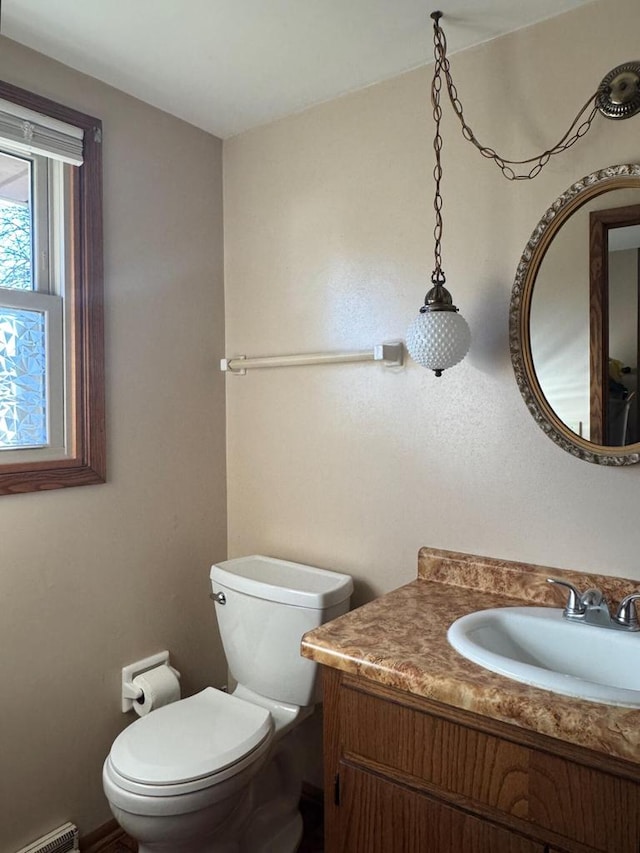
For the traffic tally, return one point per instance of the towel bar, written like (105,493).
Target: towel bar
(391,354)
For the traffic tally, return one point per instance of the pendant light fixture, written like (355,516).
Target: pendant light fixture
(439,337)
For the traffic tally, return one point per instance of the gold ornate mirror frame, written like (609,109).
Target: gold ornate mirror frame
(593,185)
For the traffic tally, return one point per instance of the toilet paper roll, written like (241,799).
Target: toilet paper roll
(159,686)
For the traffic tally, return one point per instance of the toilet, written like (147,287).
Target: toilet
(219,772)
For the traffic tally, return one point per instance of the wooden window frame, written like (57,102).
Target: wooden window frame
(85,460)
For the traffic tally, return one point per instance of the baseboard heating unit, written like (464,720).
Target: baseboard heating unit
(61,840)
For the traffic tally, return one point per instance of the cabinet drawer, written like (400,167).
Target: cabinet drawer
(584,803)
(449,756)
(567,797)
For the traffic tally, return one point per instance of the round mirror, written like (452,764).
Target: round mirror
(575,318)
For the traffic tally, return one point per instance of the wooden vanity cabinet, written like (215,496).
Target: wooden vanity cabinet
(407,775)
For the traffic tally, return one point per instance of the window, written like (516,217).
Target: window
(33,413)
(51,332)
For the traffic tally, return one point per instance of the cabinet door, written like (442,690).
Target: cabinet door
(376,815)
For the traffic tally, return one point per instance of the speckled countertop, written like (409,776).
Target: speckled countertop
(399,640)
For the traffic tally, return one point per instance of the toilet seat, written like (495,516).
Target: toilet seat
(190,745)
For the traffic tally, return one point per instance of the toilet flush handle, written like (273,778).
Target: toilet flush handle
(218,597)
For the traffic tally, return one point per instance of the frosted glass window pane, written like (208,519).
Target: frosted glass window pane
(23,379)
(16,223)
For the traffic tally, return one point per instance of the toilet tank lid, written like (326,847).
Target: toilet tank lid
(283,581)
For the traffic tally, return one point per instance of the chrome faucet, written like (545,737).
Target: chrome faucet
(592,608)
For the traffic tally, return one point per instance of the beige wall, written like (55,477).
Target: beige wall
(93,578)
(328,221)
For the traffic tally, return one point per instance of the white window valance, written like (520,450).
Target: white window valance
(34,133)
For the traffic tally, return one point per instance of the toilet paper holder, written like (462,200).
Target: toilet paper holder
(131,691)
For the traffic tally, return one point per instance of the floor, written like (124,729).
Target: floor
(312,817)
(312,840)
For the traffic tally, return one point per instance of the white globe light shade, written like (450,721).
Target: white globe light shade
(438,339)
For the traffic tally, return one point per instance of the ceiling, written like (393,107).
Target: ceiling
(230,65)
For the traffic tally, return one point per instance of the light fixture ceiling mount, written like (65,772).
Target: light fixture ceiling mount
(618,95)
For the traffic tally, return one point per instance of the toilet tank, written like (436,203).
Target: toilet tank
(269,605)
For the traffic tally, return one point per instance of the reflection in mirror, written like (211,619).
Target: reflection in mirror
(614,330)
(575,318)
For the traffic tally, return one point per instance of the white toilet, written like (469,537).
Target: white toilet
(218,772)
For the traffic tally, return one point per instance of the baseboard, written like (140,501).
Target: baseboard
(102,839)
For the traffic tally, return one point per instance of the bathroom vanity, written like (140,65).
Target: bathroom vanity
(426,752)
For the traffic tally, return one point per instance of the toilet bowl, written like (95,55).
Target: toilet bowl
(218,772)
(180,770)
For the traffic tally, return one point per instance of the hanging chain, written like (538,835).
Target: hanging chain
(437,276)
(578,128)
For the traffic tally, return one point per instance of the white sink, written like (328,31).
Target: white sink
(537,646)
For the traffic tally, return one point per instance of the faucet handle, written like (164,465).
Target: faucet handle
(575,605)
(626,615)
